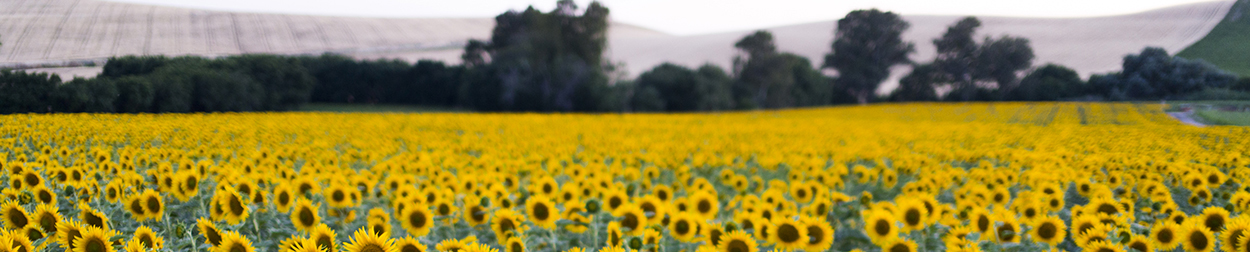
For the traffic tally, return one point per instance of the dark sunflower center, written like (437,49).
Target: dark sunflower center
(506,225)
(306,217)
(146,240)
(95,245)
(704,206)
(236,206)
(1047,231)
(1199,240)
(477,214)
(737,245)
(409,248)
(154,204)
(787,233)
(31,179)
(94,220)
(284,198)
(681,227)
(900,247)
(17,217)
(443,209)
(1213,179)
(541,212)
(45,196)
(372,247)
(663,195)
(881,227)
(238,247)
(1108,209)
(912,217)
(325,242)
(1140,246)
(983,223)
(338,195)
(631,222)
(1006,233)
(815,235)
(1214,222)
(213,236)
(516,247)
(614,202)
(647,208)
(714,236)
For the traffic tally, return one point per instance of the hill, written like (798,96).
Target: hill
(1228,44)
(60,32)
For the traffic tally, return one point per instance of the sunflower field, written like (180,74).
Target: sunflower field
(911,177)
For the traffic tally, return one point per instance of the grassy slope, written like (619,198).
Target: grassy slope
(1215,117)
(331,107)
(1228,44)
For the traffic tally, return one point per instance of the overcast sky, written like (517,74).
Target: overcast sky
(687,17)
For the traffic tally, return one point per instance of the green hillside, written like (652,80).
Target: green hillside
(1228,44)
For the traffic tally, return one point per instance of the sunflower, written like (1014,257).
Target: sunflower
(1196,237)
(614,199)
(67,231)
(474,213)
(379,226)
(615,238)
(92,217)
(508,223)
(898,245)
(1234,230)
(1213,218)
(324,237)
(409,244)
(704,204)
(1102,246)
(211,234)
(819,234)
(789,235)
(232,241)
(652,207)
(514,244)
(452,245)
(663,193)
(633,219)
(283,198)
(880,226)
(153,205)
(15,217)
(150,241)
(912,213)
(801,192)
(301,244)
(1139,243)
(1008,229)
(417,219)
(364,240)
(31,179)
(94,239)
(304,216)
(1166,235)
(338,196)
(134,246)
(113,191)
(737,241)
(576,213)
(305,186)
(188,185)
(981,221)
(1050,230)
(134,204)
(542,212)
(683,227)
(233,205)
(43,194)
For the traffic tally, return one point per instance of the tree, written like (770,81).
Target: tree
(26,92)
(916,86)
(866,44)
(757,69)
(1001,60)
(964,64)
(956,53)
(1153,74)
(1048,83)
(550,61)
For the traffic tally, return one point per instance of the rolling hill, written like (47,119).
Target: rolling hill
(59,32)
(1228,44)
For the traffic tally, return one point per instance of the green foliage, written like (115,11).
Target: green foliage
(542,61)
(1228,43)
(867,43)
(1153,75)
(670,87)
(1217,117)
(26,92)
(765,78)
(1048,83)
(964,64)
(916,86)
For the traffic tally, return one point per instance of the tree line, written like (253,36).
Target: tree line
(554,61)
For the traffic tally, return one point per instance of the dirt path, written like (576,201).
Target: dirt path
(1187,117)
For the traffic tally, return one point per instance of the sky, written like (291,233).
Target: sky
(687,17)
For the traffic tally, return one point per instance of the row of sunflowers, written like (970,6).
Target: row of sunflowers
(903,177)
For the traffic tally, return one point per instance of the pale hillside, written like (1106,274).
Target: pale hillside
(59,31)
